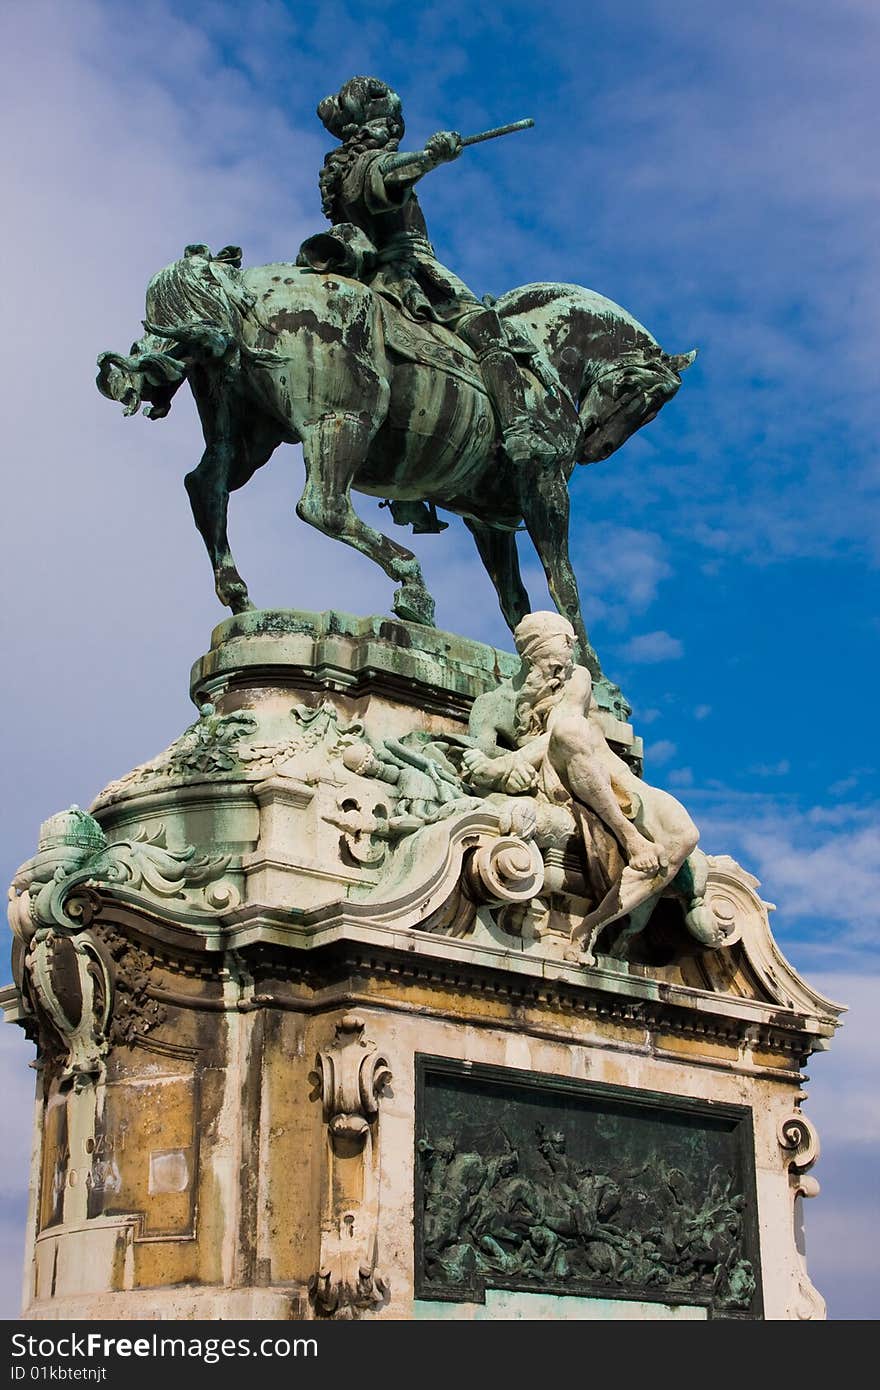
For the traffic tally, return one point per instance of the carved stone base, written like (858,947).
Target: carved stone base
(313,1041)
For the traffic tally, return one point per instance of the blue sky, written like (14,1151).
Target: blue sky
(709,166)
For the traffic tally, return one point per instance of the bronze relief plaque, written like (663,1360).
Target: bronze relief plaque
(540,1184)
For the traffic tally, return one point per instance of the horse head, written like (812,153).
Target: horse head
(624,394)
(142,375)
(192,308)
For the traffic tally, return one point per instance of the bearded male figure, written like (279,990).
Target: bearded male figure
(539,736)
(379,235)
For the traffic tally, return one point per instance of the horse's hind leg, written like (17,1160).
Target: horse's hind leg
(499,555)
(335,447)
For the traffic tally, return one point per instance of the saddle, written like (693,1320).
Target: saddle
(345,250)
(428,344)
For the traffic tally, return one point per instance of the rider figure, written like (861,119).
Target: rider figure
(367,192)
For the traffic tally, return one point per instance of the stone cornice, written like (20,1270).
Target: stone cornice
(344,944)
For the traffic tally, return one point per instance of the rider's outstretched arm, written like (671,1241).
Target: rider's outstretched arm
(406,167)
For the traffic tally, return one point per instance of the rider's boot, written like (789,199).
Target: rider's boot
(525,439)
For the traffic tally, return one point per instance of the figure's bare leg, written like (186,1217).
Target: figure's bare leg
(546,510)
(335,446)
(499,555)
(572,754)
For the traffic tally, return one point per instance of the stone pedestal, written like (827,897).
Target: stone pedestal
(306,1049)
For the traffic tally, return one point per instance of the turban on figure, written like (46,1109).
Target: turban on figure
(538,635)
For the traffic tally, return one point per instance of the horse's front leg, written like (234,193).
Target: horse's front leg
(335,447)
(546,509)
(208,487)
(499,555)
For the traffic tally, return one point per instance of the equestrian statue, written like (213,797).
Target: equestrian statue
(396,379)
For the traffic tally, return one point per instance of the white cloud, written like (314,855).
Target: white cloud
(771,769)
(823,871)
(844,1100)
(626,566)
(656,754)
(745,156)
(650,647)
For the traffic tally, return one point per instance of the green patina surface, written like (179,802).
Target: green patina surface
(582,1190)
(341,648)
(396,378)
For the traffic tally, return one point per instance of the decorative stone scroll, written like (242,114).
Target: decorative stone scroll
(56,889)
(86,987)
(69,983)
(800,1144)
(350,1077)
(507,870)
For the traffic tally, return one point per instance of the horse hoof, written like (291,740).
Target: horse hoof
(414,604)
(240,604)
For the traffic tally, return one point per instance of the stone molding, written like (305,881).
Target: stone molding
(346,654)
(339,826)
(350,1077)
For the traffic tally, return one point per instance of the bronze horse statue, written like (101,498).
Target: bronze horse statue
(390,407)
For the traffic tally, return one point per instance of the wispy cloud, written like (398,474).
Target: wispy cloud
(649,647)
(823,871)
(659,753)
(646,716)
(626,567)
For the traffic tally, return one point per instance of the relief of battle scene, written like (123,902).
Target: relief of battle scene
(561,1193)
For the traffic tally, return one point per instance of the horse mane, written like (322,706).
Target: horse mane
(197,289)
(528,299)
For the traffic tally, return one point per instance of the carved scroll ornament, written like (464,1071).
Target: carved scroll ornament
(55,888)
(350,1076)
(800,1144)
(62,969)
(69,983)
